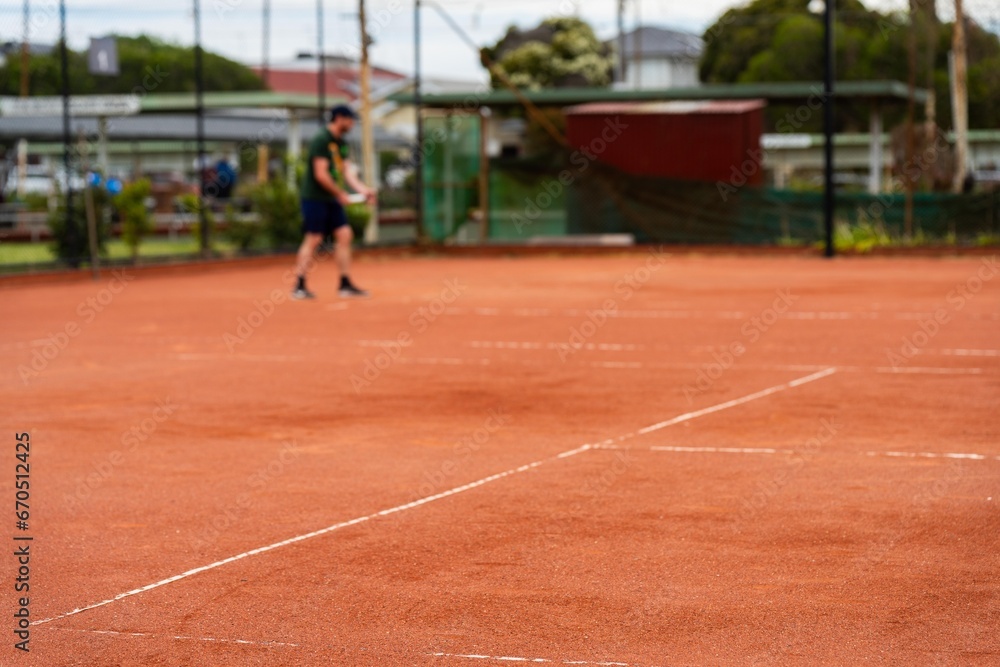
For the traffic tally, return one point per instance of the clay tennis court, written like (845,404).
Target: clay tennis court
(548,459)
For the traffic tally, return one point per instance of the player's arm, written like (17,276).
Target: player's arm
(321,172)
(351,177)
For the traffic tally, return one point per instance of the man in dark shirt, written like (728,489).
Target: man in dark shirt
(324,198)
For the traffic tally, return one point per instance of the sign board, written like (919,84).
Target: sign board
(103,57)
(88,105)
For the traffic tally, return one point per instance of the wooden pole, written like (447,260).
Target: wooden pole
(961,95)
(638,45)
(88,200)
(622,60)
(25,52)
(829,193)
(911,149)
(265,66)
(199,96)
(484,175)
(367,126)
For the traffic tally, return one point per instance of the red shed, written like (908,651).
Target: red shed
(698,140)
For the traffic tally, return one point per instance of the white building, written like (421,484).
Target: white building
(661,58)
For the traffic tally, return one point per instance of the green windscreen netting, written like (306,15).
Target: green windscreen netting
(558,194)
(451,172)
(534,197)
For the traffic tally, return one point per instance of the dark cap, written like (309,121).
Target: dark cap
(342,111)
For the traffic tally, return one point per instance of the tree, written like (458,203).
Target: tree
(147,63)
(559,53)
(780,40)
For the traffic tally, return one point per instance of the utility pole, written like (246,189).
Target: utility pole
(622,59)
(367,127)
(265,68)
(930,108)
(72,233)
(418,103)
(25,51)
(638,44)
(22,144)
(199,80)
(829,195)
(911,141)
(961,97)
(263,149)
(320,46)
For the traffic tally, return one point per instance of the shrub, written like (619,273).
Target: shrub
(69,237)
(242,233)
(277,204)
(194,204)
(136,221)
(359,215)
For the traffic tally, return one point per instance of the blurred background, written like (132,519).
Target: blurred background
(132,133)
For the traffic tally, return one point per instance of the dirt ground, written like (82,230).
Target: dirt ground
(636,459)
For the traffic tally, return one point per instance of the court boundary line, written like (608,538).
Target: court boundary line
(316,533)
(155,635)
(551,661)
(769,451)
(445,494)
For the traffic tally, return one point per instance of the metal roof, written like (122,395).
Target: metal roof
(675,107)
(888,92)
(654,42)
(174,127)
(262,99)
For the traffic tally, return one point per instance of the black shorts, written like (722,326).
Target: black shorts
(322,217)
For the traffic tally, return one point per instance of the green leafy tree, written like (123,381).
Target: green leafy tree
(780,40)
(135,218)
(561,52)
(147,65)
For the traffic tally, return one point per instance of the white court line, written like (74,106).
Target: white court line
(926,370)
(531,345)
(244,642)
(445,362)
(770,451)
(620,365)
(935,455)
(970,353)
(687,314)
(505,658)
(611,442)
(439,496)
(722,450)
(729,404)
(234,357)
(317,533)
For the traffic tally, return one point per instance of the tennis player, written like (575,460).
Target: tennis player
(324,201)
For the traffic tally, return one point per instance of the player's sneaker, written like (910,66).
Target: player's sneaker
(302,294)
(350,291)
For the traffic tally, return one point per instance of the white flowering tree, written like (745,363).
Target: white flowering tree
(561,52)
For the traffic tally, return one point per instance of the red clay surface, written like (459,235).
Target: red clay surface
(850,518)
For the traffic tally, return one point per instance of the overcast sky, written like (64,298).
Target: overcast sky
(234,27)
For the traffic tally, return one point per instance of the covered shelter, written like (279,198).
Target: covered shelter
(807,97)
(167,121)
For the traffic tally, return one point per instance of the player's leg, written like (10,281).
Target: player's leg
(307,251)
(344,236)
(313,226)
